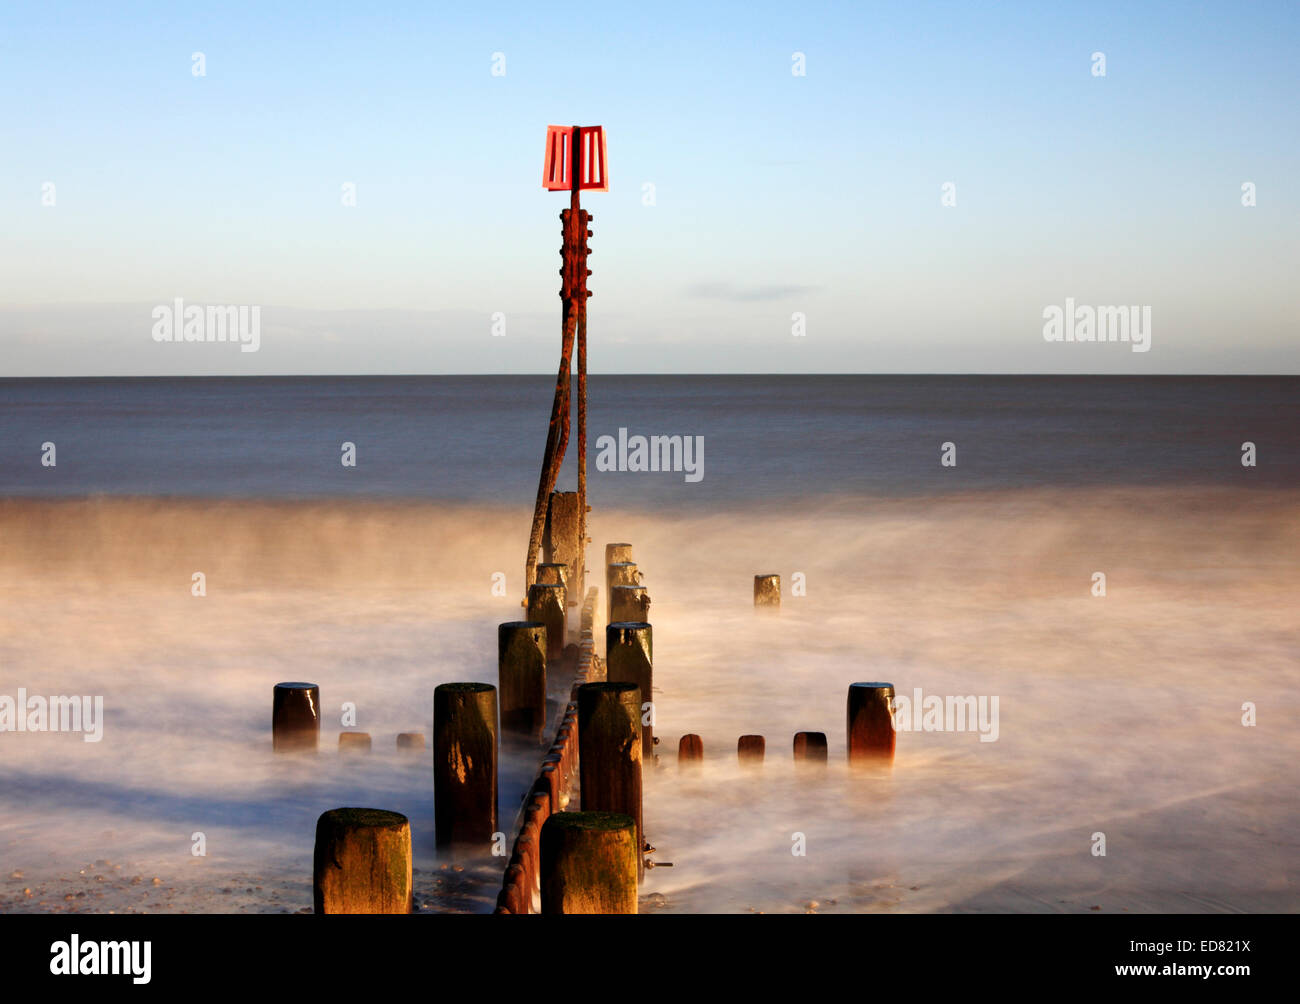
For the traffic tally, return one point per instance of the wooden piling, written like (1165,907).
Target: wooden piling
(629,658)
(690,749)
(561,542)
(515,891)
(767,590)
(616,553)
(546,606)
(810,747)
(362,862)
(618,573)
(354,742)
(610,751)
(410,741)
(521,676)
(871,723)
(553,573)
(750,749)
(589,863)
(629,603)
(295,717)
(465,763)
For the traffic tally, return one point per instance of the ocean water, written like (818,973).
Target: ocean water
(767,439)
(1120,715)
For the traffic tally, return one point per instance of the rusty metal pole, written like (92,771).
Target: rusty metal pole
(573,292)
(582,295)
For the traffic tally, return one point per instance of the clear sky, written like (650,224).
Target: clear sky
(774,193)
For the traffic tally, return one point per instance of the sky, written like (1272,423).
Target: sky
(778,202)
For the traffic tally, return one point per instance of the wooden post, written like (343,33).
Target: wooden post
(810,747)
(560,543)
(465,763)
(362,862)
(629,658)
(618,573)
(553,573)
(546,606)
(617,552)
(750,749)
(295,717)
(767,590)
(354,742)
(629,603)
(521,675)
(690,749)
(871,723)
(609,751)
(410,741)
(589,863)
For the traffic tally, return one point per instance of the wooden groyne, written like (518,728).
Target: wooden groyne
(550,790)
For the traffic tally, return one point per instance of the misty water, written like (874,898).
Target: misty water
(1119,714)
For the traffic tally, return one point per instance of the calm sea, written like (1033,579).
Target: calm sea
(767,439)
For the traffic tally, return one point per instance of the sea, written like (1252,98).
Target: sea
(1109,562)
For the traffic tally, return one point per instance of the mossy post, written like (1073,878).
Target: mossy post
(618,573)
(295,717)
(871,724)
(690,749)
(589,863)
(810,747)
(521,676)
(465,763)
(546,606)
(750,749)
(362,862)
(629,603)
(609,751)
(629,658)
(410,742)
(767,590)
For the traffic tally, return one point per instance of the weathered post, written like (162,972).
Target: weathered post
(546,606)
(362,862)
(465,763)
(615,553)
(521,676)
(295,717)
(553,573)
(589,863)
(354,742)
(609,751)
(690,749)
(630,603)
(871,724)
(810,747)
(629,658)
(767,590)
(560,542)
(750,749)
(620,573)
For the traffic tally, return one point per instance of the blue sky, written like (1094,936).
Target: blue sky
(774,193)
